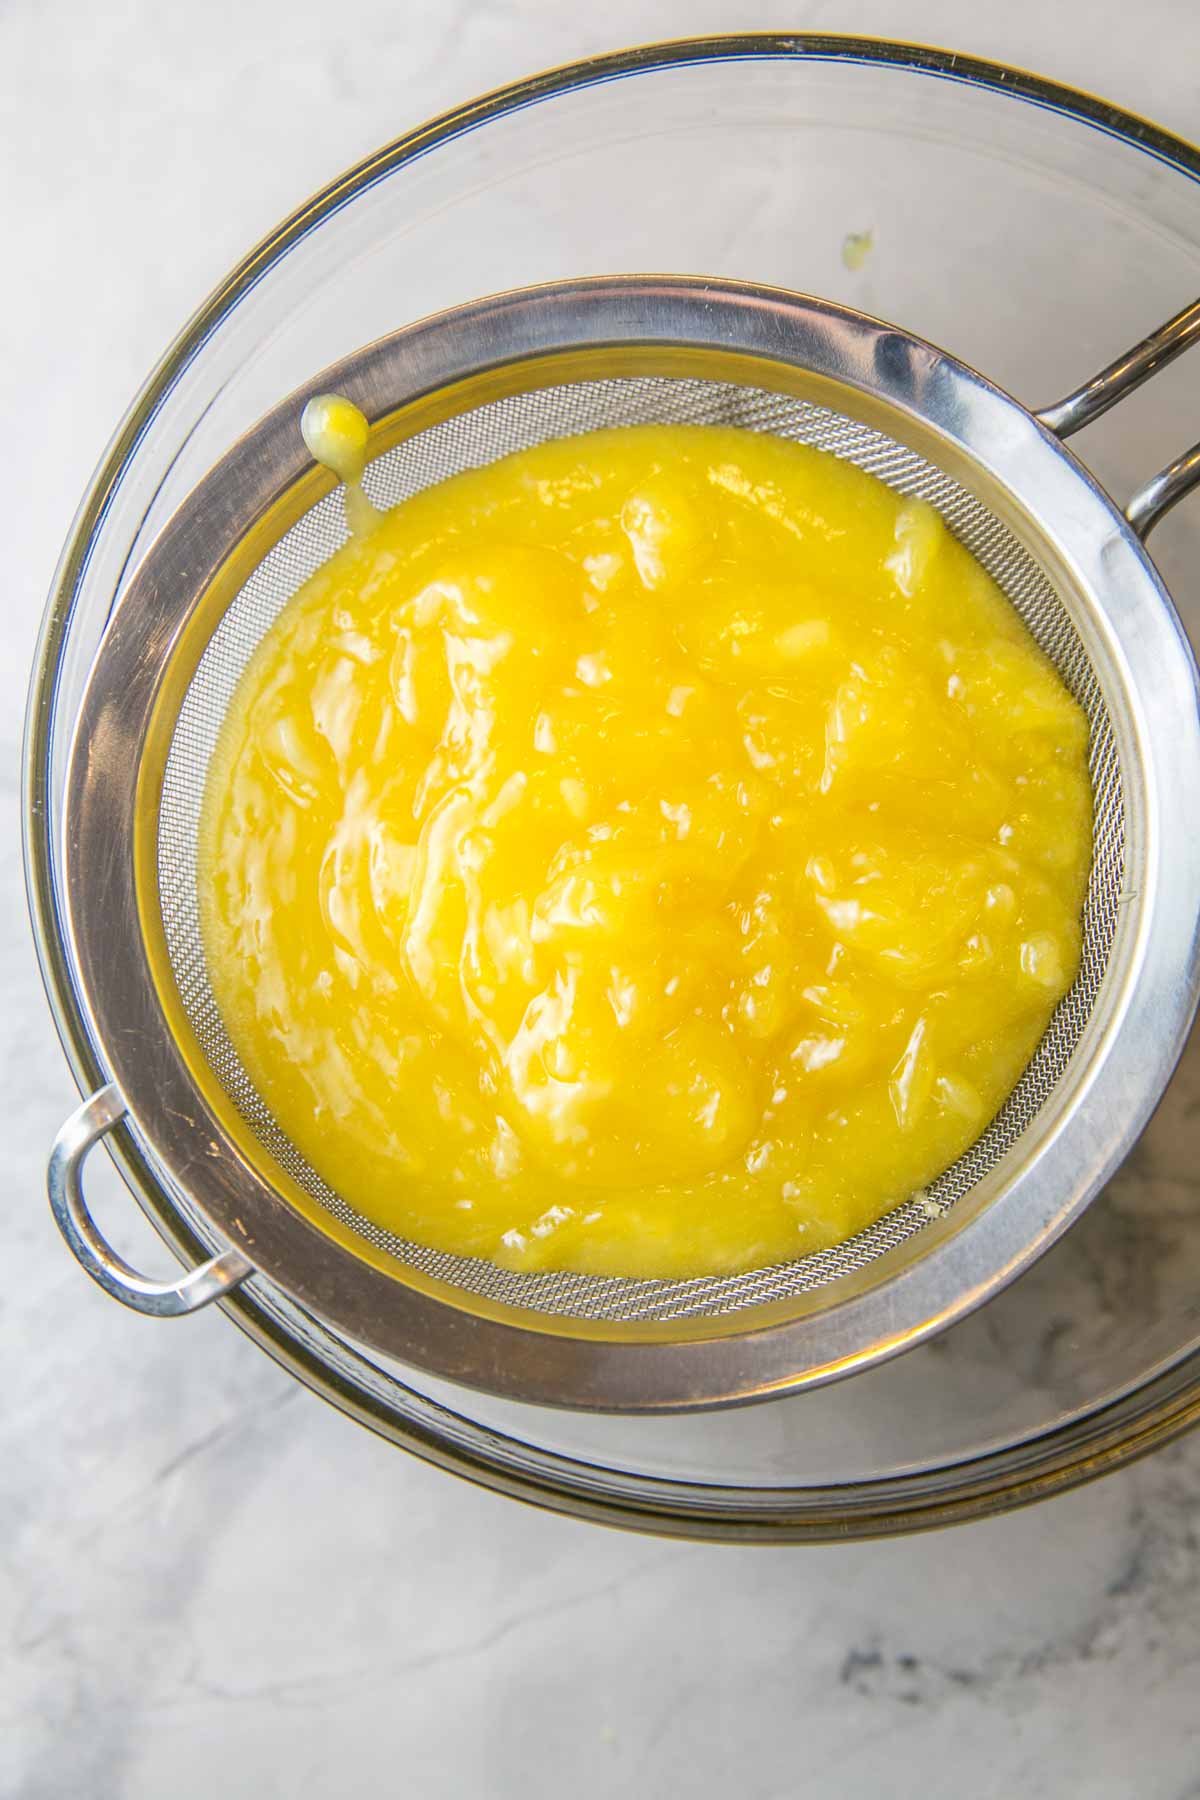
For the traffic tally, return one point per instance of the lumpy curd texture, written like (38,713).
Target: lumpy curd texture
(657,853)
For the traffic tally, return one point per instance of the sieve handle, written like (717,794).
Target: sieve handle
(1157,496)
(160,1299)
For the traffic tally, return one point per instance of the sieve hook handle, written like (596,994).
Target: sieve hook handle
(1157,496)
(160,1299)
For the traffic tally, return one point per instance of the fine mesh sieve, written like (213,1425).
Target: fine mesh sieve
(480,435)
(459,392)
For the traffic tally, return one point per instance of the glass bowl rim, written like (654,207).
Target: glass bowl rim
(1088,1445)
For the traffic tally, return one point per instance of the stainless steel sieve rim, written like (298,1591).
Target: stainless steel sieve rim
(919,390)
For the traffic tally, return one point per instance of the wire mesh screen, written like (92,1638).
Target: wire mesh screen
(480,436)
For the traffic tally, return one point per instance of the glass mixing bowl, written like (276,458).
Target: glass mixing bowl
(1030,230)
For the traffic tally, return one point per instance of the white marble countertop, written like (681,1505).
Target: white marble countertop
(209,1582)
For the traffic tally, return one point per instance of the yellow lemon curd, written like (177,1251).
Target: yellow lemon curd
(657,853)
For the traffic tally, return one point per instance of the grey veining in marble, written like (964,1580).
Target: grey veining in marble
(211,1584)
